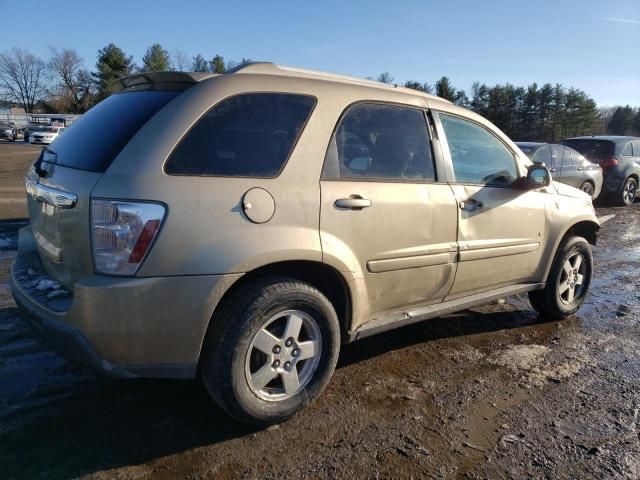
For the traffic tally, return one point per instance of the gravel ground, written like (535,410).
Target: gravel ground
(493,392)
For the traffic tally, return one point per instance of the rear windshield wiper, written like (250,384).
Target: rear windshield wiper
(51,158)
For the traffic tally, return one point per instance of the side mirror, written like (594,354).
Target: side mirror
(538,176)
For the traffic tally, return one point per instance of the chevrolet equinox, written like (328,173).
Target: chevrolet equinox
(241,227)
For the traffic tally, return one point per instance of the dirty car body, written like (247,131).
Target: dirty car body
(337,207)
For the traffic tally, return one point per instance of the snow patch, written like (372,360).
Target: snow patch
(46,284)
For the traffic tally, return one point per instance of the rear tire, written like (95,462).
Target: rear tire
(628,193)
(271,350)
(588,188)
(568,281)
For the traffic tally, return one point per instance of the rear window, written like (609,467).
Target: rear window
(528,150)
(94,140)
(249,135)
(593,150)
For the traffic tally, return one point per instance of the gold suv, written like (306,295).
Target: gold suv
(242,226)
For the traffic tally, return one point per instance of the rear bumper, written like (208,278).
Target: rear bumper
(66,340)
(598,181)
(613,181)
(123,327)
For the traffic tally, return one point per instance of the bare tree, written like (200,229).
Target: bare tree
(23,77)
(385,77)
(181,61)
(73,83)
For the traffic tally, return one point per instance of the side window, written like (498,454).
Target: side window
(543,155)
(249,135)
(559,157)
(381,141)
(636,148)
(477,155)
(626,151)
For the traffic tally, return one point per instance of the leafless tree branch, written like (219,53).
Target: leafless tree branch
(23,77)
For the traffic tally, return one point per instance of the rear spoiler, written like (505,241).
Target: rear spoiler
(159,81)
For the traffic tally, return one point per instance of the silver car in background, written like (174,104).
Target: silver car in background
(566,165)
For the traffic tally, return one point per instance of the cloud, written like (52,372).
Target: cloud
(622,20)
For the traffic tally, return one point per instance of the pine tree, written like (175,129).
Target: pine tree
(445,90)
(421,87)
(622,121)
(112,64)
(156,59)
(199,64)
(216,65)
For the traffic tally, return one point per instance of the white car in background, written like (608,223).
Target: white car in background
(45,135)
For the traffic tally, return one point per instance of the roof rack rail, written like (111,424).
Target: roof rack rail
(270,68)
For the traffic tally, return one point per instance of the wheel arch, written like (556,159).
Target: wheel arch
(325,278)
(587,229)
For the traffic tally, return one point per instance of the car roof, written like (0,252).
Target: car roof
(531,144)
(147,80)
(610,138)
(268,68)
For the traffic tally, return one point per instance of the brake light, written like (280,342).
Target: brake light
(122,234)
(609,162)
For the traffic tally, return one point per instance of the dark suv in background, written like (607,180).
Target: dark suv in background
(619,158)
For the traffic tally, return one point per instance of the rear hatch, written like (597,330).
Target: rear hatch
(60,183)
(594,150)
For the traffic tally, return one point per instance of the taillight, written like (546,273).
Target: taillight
(122,234)
(609,162)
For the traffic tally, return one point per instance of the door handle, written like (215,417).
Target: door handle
(354,202)
(470,205)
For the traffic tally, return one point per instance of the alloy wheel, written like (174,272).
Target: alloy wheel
(571,284)
(283,355)
(629,192)
(587,188)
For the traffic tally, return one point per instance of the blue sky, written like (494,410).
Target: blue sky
(590,44)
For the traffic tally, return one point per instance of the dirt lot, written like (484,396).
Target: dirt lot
(15,160)
(496,392)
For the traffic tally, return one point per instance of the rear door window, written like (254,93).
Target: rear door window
(249,135)
(377,141)
(94,140)
(636,148)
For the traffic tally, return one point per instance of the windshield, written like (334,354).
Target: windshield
(94,140)
(593,150)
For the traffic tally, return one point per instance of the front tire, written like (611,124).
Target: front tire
(568,280)
(271,350)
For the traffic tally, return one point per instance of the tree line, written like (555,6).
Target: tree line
(63,84)
(546,113)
